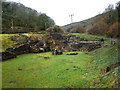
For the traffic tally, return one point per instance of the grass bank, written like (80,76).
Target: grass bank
(47,71)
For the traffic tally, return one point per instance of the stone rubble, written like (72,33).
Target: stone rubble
(49,42)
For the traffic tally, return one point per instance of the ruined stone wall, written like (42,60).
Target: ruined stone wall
(37,43)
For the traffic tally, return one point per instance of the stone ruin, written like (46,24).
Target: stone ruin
(112,42)
(56,43)
(56,52)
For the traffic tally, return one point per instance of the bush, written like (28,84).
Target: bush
(78,29)
(99,28)
(55,29)
(114,30)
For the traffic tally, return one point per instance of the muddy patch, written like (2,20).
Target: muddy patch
(46,57)
(67,69)
(12,81)
(20,69)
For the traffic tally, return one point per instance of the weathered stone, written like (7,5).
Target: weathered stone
(46,42)
(34,50)
(56,52)
(81,39)
(93,47)
(46,49)
(7,55)
(56,36)
(112,42)
(59,53)
(42,50)
(20,49)
(102,40)
(107,69)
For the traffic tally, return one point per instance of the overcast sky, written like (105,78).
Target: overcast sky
(59,10)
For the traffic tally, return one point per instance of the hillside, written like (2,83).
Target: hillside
(105,24)
(85,23)
(17,18)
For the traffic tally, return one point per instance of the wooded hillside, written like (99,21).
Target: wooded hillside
(105,24)
(18,18)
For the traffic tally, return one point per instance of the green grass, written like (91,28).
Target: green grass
(60,71)
(39,72)
(92,37)
(44,70)
(101,61)
(88,36)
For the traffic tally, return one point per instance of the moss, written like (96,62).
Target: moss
(6,41)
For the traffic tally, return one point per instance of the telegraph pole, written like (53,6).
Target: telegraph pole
(71,17)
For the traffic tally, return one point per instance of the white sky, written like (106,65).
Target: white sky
(59,10)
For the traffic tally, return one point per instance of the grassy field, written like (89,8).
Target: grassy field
(44,70)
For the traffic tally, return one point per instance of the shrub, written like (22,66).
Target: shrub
(55,29)
(99,28)
(114,30)
(78,29)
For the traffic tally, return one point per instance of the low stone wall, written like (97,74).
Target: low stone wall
(7,55)
(13,52)
(24,48)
